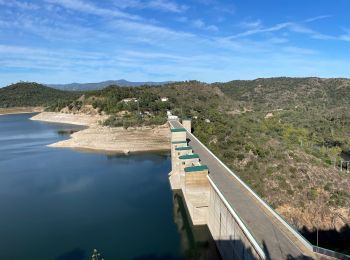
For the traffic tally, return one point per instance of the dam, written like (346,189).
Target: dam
(241,223)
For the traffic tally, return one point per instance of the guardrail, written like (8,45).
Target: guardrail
(331,253)
(240,222)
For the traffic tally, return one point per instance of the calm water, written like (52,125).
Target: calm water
(61,204)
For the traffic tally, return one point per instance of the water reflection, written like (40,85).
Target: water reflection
(145,156)
(67,132)
(196,241)
(61,204)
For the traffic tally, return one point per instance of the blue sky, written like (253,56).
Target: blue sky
(63,41)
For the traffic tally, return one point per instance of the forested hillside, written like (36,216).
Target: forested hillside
(285,137)
(25,94)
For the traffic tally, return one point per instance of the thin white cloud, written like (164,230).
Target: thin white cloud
(295,27)
(197,23)
(167,6)
(316,18)
(89,8)
(160,5)
(19,4)
(252,24)
(143,49)
(274,28)
(299,51)
(345,37)
(24,57)
(52,30)
(200,24)
(150,31)
(298,28)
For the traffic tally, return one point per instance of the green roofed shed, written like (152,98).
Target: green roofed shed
(185,148)
(196,168)
(179,142)
(174,130)
(189,156)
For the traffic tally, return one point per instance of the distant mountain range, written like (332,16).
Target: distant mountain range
(101,85)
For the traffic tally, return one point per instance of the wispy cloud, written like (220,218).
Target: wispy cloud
(345,37)
(273,28)
(251,24)
(52,30)
(299,51)
(160,5)
(166,6)
(197,23)
(90,8)
(19,4)
(316,18)
(96,40)
(291,26)
(150,31)
(200,24)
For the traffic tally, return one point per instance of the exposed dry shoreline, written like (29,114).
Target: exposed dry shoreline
(100,138)
(20,110)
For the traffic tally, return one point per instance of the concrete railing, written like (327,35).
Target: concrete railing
(331,253)
(240,223)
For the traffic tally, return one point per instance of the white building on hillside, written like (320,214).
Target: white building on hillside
(127,100)
(171,116)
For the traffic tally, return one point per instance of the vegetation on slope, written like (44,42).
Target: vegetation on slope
(127,106)
(283,136)
(26,94)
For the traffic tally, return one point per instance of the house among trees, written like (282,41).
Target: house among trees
(171,116)
(164,99)
(127,100)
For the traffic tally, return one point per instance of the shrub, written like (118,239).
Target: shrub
(312,194)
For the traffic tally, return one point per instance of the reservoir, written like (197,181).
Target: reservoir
(62,204)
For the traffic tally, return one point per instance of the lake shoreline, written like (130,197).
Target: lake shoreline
(98,138)
(20,110)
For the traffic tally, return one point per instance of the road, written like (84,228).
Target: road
(265,227)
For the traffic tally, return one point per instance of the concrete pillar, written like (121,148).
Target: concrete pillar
(178,134)
(196,177)
(188,160)
(174,156)
(178,139)
(187,124)
(196,193)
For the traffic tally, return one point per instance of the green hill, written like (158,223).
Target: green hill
(285,137)
(284,92)
(33,94)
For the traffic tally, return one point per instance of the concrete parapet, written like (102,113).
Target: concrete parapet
(229,234)
(187,124)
